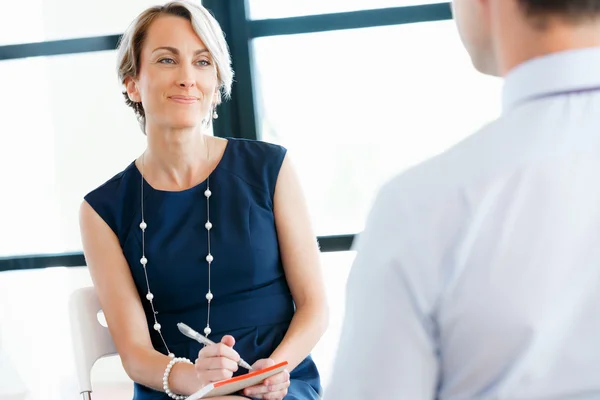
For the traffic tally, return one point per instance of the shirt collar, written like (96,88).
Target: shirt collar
(554,74)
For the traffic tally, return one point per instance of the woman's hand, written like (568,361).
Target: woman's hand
(217,361)
(274,387)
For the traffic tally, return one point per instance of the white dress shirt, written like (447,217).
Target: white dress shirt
(478,273)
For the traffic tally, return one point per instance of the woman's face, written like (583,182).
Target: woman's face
(177,80)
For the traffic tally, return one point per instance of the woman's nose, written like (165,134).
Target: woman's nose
(185,83)
(185,78)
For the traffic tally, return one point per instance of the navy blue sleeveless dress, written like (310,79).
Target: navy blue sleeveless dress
(252,300)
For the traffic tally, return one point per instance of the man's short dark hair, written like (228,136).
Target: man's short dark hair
(571,10)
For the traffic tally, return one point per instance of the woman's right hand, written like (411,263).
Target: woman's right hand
(217,361)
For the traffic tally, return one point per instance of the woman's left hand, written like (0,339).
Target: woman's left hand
(273,388)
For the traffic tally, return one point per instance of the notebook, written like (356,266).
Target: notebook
(233,385)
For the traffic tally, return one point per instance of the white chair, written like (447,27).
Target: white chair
(91,340)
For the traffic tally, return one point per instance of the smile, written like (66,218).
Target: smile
(183,99)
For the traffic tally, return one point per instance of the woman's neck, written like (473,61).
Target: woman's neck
(177,159)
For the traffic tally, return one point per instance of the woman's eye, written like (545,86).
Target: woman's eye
(203,63)
(166,61)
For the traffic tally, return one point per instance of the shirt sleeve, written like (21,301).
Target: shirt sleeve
(387,348)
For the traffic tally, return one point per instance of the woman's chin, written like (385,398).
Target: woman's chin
(188,123)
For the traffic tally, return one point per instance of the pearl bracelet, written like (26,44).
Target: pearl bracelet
(166,377)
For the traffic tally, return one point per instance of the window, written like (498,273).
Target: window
(67,131)
(336,268)
(265,9)
(42,20)
(356,107)
(35,326)
(35,338)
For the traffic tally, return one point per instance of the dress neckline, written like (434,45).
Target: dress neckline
(190,189)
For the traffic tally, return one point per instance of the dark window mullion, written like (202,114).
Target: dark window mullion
(327,243)
(59,47)
(350,20)
(239,113)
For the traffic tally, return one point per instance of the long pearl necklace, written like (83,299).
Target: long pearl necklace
(144,260)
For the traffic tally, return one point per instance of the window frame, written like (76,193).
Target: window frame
(238,115)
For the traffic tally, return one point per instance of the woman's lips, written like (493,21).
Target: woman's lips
(183,99)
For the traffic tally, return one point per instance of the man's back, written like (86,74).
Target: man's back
(488,256)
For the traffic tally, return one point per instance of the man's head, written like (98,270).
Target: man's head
(501,34)
(571,11)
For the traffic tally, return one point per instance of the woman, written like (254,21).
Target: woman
(210,232)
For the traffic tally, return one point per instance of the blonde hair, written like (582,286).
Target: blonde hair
(204,24)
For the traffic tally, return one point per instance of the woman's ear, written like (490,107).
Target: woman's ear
(132,90)
(216,100)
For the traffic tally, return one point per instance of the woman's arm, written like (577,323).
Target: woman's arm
(123,309)
(301,262)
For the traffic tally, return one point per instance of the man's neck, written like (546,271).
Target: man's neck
(555,37)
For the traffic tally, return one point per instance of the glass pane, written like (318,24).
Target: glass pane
(265,9)
(69,130)
(35,339)
(336,267)
(44,333)
(355,110)
(41,20)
